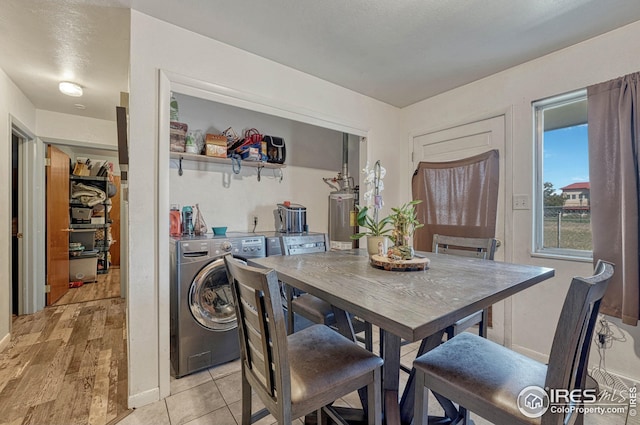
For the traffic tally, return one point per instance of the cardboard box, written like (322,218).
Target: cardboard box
(216,145)
(177,136)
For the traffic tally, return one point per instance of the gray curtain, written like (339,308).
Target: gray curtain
(614,133)
(460,198)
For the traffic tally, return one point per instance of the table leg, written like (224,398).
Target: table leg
(408,397)
(390,376)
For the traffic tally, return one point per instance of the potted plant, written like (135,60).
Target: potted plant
(405,222)
(376,230)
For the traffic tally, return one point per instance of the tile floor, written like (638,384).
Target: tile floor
(213,397)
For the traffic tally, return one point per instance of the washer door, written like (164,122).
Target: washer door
(210,298)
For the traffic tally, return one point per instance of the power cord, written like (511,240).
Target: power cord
(255,224)
(604,338)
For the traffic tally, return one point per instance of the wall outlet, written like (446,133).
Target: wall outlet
(521,202)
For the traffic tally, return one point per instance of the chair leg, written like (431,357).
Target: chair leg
(368,336)
(246,400)
(289,295)
(464,415)
(482,326)
(374,396)
(421,402)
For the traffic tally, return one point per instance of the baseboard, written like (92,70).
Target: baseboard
(4,342)
(530,353)
(616,381)
(628,382)
(144,398)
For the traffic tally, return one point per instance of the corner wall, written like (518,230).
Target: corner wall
(155,46)
(536,311)
(13,103)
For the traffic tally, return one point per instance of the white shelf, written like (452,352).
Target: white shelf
(227,161)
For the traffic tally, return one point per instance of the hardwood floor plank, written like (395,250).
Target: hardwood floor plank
(106,286)
(66,365)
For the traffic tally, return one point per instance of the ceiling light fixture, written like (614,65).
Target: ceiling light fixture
(70,89)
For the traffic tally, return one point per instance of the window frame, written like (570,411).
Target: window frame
(538,249)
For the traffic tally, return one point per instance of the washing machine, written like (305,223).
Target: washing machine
(204,329)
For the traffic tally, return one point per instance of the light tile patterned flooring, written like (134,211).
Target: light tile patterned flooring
(213,397)
(67,365)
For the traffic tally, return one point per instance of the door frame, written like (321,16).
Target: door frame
(34,255)
(506,336)
(31,247)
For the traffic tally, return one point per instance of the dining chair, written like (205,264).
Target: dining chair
(298,374)
(319,311)
(483,248)
(506,387)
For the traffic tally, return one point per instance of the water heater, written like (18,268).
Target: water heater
(342,219)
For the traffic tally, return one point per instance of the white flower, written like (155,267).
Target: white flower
(371,182)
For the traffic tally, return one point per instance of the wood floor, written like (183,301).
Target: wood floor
(107,286)
(66,364)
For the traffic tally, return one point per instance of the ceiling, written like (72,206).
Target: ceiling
(397,51)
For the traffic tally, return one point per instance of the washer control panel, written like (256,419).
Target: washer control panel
(247,247)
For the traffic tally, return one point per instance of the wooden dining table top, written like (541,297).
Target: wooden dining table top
(409,304)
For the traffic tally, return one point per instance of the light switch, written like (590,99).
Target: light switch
(521,202)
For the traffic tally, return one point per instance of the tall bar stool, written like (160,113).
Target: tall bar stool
(298,374)
(506,387)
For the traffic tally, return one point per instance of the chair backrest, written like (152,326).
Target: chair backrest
(484,248)
(572,341)
(305,244)
(262,333)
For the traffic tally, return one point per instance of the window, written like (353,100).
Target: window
(562,216)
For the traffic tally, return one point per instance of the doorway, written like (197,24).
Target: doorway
(93,272)
(15,225)
(465,140)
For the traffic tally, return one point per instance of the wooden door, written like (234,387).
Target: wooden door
(114,215)
(464,141)
(57,224)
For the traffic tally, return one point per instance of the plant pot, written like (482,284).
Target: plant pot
(377,245)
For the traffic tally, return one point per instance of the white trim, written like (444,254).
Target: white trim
(162,248)
(542,358)
(537,242)
(80,144)
(255,102)
(143,398)
(4,342)
(32,248)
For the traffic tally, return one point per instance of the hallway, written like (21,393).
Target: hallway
(66,364)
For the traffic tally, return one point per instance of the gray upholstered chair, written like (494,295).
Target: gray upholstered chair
(488,379)
(299,374)
(319,311)
(484,248)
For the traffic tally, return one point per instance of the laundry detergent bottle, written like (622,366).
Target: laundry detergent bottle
(187,220)
(174,221)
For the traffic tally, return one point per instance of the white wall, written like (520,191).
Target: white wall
(535,312)
(156,46)
(65,127)
(13,103)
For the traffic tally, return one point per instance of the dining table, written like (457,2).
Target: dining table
(406,305)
